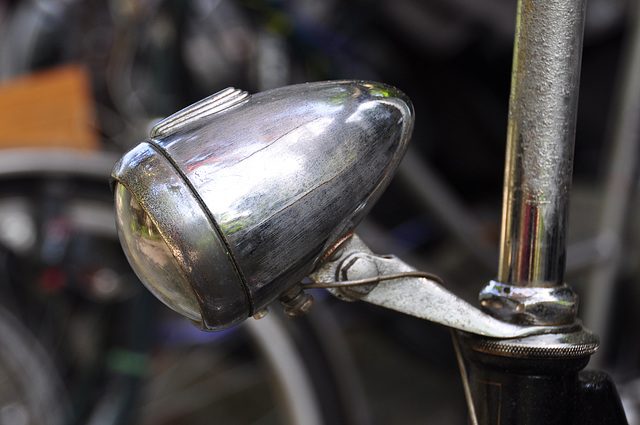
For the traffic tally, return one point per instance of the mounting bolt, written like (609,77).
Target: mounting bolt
(355,267)
(296,302)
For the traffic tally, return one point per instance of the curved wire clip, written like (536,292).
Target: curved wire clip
(354,273)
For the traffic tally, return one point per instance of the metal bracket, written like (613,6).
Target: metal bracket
(354,273)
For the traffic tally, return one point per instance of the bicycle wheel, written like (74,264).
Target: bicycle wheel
(269,371)
(30,387)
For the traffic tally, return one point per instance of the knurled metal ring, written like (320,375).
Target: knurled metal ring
(570,345)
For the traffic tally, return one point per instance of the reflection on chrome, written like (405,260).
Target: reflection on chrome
(150,256)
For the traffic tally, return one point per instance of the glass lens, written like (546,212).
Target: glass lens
(150,256)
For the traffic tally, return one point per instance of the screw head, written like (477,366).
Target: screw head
(261,314)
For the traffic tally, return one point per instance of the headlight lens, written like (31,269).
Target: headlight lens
(151,257)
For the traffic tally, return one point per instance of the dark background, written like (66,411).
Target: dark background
(149,58)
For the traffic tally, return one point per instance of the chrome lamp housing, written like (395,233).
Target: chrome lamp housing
(237,198)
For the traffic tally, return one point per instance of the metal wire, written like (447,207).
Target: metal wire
(465,379)
(376,279)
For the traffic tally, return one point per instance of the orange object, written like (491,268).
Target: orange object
(50,109)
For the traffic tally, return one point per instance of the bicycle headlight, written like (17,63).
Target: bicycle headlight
(237,197)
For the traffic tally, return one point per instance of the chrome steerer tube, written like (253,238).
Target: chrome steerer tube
(530,288)
(539,162)
(540,141)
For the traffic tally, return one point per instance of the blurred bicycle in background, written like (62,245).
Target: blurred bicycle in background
(68,291)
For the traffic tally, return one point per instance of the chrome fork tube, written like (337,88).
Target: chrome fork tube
(540,141)
(528,380)
(543,104)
